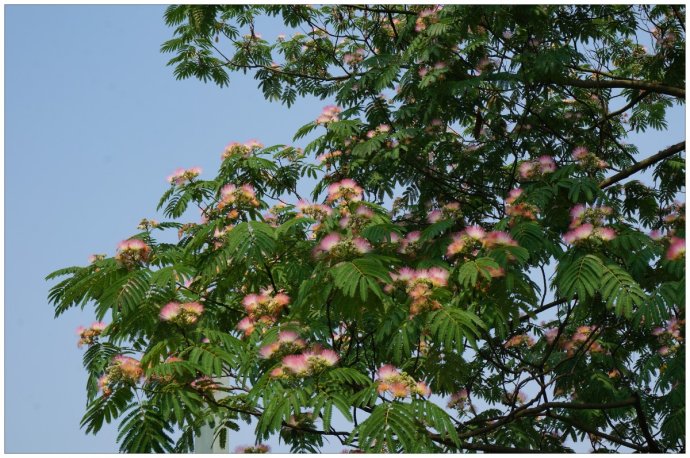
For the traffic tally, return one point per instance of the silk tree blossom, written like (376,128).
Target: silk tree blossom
(288,342)
(588,160)
(519,209)
(181,176)
(328,114)
(337,247)
(537,168)
(246,325)
(521,339)
(346,190)
(242,196)
(258,448)
(676,250)
(104,385)
(265,306)
(458,399)
(204,383)
(132,252)
(183,314)
(307,363)
(399,384)
(316,211)
(125,369)
(588,224)
(419,286)
(411,242)
(550,334)
(88,336)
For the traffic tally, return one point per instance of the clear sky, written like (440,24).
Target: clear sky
(94,122)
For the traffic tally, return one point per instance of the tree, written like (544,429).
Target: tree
(473,151)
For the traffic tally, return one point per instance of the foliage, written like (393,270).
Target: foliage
(473,150)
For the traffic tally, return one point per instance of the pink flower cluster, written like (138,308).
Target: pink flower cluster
(204,383)
(316,211)
(335,246)
(419,285)
(288,342)
(258,448)
(305,364)
(579,338)
(355,57)
(380,129)
(520,209)
(184,314)
(326,158)
(121,369)
(238,196)
(399,384)
(427,17)
(588,160)
(181,176)
(408,244)
(87,336)
(676,249)
(669,336)
(346,190)
(447,211)
(236,149)
(520,339)
(262,308)
(587,223)
(132,252)
(537,168)
(473,238)
(329,114)
(458,399)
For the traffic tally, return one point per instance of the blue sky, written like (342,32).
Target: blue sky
(94,123)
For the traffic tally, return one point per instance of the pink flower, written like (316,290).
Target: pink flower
(422,389)
(677,249)
(170,311)
(281,299)
(547,164)
(364,211)
(580,152)
(498,238)
(605,233)
(246,325)
(329,241)
(386,372)
(361,245)
(475,232)
(267,350)
(434,216)
(525,169)
(513,195)
(663,351)
(318,356)
(98,326)
(297,364)
(551,334)
(656,235)
(438,276)
(193,307)
(399,389)
(287,337)
(413,237)
(456,246)
(328,114)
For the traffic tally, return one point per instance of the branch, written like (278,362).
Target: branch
(621,84)
(661,155)
(591,430)
(644,426)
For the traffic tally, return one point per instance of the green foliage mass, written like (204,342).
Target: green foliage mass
(474,150)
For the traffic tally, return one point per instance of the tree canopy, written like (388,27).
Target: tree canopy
(482,265)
